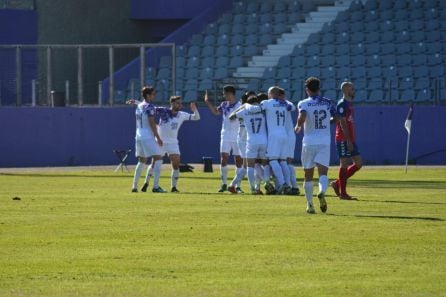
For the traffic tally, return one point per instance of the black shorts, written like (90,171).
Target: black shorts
(342,149)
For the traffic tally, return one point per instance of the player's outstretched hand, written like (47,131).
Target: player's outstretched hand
(206,97)
(130,102)
(193,106)
(159,141)
(297,129)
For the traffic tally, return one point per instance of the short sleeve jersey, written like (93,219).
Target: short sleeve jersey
(144,110)
(290,125)
(317,123)
(344,109)
(276,114)
(254,121)
(169,123)
(229,129)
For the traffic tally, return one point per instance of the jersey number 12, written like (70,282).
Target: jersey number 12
(319,117)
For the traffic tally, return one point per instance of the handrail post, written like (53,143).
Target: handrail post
(80,78)
(142,65)
(48,75)
(111,71)
(18,65)
(174,68)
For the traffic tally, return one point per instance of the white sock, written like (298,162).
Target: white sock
(157,173)
(293,176)
(149,174)
(308,187)
(251,177)
(138,169)
(266,172)
(175,176)
(241,172)
(323,183)
(224,174)
(277,170)
(286,172)
(258,172)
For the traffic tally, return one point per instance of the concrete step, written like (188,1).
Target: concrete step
(277,52)
(247,74)
(280,46)
(261,64)
(287,41)
(265,59)
(294,40)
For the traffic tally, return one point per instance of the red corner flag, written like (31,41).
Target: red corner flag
(408,122)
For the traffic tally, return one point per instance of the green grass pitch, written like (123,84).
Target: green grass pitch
(82,233)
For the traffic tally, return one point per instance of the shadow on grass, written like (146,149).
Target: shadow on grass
(395,183)
(103,175)
(404,202)
(387,217)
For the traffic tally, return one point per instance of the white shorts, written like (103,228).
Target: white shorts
(227,146)
(242,148)
(146,147)
(256,151)
(170,149)
(312,154)
(277,148)
(291,147)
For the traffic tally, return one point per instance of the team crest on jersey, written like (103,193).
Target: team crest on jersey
(226,107)
(164,114)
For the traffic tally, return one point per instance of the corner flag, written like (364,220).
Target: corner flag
(408,122)
(408,126)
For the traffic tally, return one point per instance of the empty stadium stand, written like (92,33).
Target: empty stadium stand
(392,50)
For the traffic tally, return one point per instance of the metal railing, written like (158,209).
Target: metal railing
(17,4)
(44,63)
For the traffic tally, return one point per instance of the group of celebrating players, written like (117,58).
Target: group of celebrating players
(259,132)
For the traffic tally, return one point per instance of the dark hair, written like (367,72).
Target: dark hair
(229,89)
(262,96)
(281,91)
(247,95)
(174,98)
(312,84)
(147,91)
(253,99)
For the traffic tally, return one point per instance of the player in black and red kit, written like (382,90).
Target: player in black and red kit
(345,142)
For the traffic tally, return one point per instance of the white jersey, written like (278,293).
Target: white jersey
(276,114)
(254,121)
(169,123)
(229,129)
(317,123)
(242,135)
(289,124)
(144,110)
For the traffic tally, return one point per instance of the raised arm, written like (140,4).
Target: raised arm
(195,115)
(211,106)
(233,114)
(132,102)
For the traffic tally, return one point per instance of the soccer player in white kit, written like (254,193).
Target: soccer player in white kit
(234,186)
(314,116)
(229,130)
(256,142)
(290,149)
(276,113)
(170,121)
(147,140)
